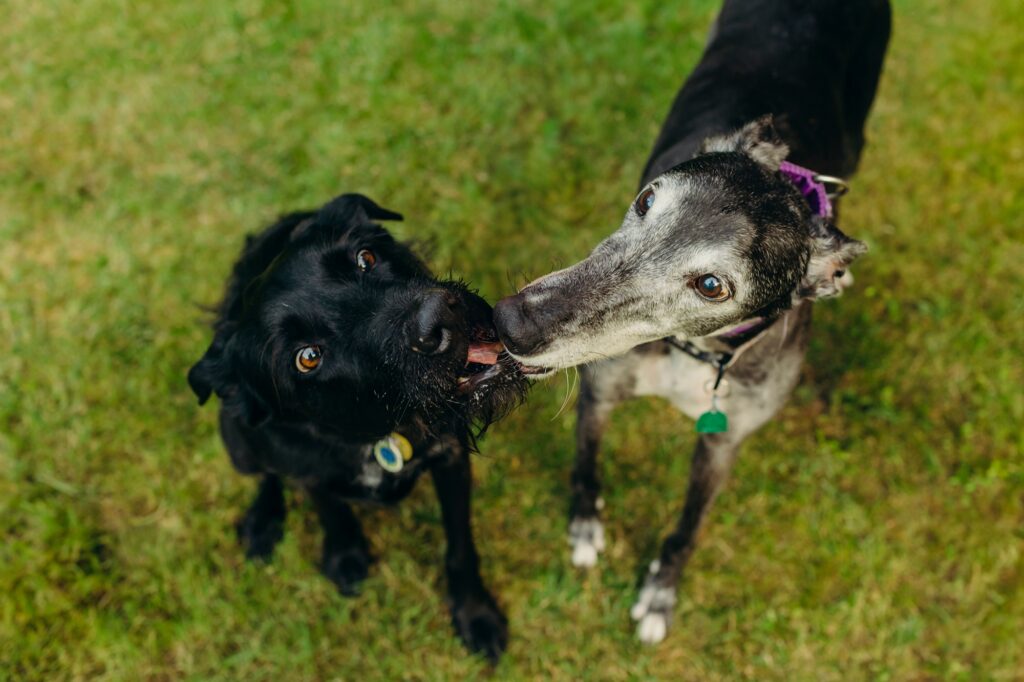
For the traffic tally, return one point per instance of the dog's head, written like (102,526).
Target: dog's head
(328,320)
(717,240)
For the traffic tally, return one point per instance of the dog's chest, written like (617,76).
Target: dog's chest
(371,475)
(683,381)
(754,387)
(375,481)
(354,473)
(378,480)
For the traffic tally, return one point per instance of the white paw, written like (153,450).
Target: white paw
(584,555)
(652,609)
(587,539)
(652,628)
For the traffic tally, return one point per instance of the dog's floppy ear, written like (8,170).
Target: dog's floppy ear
(206,375)
(758,139)
(349,207)
(831,254)
(213,374)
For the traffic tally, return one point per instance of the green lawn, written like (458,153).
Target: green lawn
(874,531)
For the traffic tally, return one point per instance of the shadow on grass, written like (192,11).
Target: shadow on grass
(843,340)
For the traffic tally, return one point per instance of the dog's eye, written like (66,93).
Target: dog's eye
(308,358)
(366,260)
(711,288)
(645,201)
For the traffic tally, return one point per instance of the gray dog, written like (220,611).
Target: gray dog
(703,295)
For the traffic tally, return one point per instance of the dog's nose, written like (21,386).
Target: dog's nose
(430,330)
(517,328)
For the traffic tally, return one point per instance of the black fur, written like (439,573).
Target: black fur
(298,284)
(814,65)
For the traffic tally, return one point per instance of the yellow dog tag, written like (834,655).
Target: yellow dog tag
(393,452)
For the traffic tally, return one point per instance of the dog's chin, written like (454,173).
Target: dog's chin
(564,351)
(538,373)
(548,363)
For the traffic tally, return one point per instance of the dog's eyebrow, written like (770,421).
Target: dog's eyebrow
(301,229)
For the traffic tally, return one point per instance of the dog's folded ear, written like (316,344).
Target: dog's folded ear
(758,139)
(337,216)
(212,374)
(348,207)
(829,262)
(206,375)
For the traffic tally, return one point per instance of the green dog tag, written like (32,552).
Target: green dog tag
(713,422)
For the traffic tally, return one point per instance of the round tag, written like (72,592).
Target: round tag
(723,391)
(393,452)
(403,445)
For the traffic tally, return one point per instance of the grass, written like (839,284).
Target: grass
(873,531)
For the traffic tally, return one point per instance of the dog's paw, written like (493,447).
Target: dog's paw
(653,609)
(481,626)
(652,628)
(258,535)
(347,569)
(586,535)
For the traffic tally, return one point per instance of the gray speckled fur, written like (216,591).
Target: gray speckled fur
(758,383)
(724,211)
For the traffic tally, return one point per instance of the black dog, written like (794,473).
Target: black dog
(704,293)
(341,363)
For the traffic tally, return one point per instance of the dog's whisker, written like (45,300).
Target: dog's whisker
(568,392)
(785,331)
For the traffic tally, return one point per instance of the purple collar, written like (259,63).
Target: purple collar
(812,186)
(742,328)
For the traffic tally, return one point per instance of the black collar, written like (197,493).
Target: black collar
(721,360)
(716,359)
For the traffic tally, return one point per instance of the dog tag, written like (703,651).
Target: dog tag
(393,452)
(712,421)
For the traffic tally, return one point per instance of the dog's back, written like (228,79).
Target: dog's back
(813,64)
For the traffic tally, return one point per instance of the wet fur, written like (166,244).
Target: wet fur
(297,283)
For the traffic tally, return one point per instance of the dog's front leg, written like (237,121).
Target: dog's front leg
(262,527)
(475,615)
(586,533)
(712,460)
(346,554)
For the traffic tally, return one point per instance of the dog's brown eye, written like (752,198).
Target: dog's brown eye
(365,260)
(645,201)
(308,359)
(711,288)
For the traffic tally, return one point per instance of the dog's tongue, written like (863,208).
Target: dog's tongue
(484,353)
